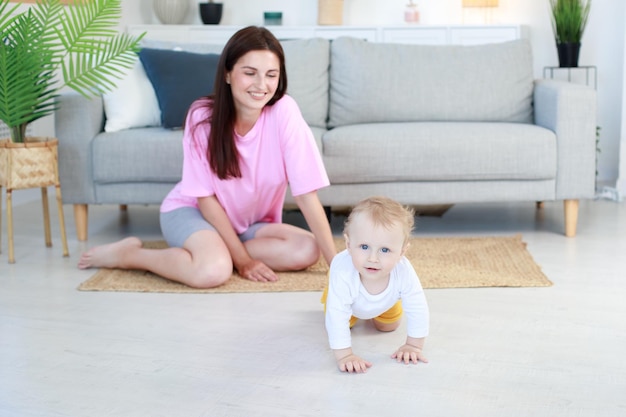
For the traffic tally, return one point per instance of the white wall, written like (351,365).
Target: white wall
(621,181)
(603,42)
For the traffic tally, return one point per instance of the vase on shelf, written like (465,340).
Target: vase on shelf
(329,12)
(211,13)
(170,12)
(411,13)
(568,53)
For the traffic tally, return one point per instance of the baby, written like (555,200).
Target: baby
(372,279)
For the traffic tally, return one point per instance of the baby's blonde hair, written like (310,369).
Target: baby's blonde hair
(384,211)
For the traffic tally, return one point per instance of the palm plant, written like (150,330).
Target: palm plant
(569,18)
(50,47)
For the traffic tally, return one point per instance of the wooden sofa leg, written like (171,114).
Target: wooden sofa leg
(80,219)
(571,217)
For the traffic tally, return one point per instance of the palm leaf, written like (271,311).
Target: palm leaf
(80,43)
(91,74)
(25,72)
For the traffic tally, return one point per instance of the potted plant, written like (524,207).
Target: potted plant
(77,43)
(45,49)
(569,19)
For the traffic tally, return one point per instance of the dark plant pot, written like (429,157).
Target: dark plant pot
(211,13)
(568,54)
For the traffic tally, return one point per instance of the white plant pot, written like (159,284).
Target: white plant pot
(170,12)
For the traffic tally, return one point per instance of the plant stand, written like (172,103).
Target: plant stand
(33,164)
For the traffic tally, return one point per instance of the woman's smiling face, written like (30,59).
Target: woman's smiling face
(254,80)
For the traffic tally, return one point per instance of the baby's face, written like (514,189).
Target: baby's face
(375,250)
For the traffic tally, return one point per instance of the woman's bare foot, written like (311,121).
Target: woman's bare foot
(110,255)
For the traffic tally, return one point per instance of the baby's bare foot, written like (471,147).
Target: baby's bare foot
(110,255)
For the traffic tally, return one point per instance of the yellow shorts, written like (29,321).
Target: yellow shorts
(390,316)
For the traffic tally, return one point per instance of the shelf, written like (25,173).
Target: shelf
(413,34)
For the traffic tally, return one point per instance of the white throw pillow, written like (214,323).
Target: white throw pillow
(133,103)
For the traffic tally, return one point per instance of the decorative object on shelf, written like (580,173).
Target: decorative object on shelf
(45,49)
(170,12)
(211,12)
(329,12)
(411,14)
(486,6)
(480,3)
(569,19)
(272,18)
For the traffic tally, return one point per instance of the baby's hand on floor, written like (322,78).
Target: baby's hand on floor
(353,364)
(409,354)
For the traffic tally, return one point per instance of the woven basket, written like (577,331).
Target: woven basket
(329,12)
(32,164)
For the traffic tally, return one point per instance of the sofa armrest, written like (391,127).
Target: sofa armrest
(569,110)
(77,121)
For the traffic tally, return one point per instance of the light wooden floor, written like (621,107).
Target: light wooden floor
(551,352)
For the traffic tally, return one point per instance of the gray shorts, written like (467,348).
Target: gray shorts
(177,225)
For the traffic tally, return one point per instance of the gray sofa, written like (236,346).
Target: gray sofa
(421,124)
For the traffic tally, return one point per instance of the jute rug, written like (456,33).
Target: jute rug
(447,262)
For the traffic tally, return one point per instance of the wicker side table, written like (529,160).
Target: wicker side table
(33,164)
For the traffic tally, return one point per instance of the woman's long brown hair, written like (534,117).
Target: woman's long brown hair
(222,150)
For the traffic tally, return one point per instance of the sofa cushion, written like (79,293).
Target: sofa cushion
(178,78)
(307,62)
(369,82)
(133,103)
(435,151)
(138,155)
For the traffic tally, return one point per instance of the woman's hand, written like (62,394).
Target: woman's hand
(255,270)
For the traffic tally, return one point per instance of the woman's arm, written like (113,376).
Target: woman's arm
(310,206)
(247,267)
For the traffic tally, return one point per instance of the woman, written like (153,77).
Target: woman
(242,146)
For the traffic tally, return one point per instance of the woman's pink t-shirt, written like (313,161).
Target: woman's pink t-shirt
(278,151)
